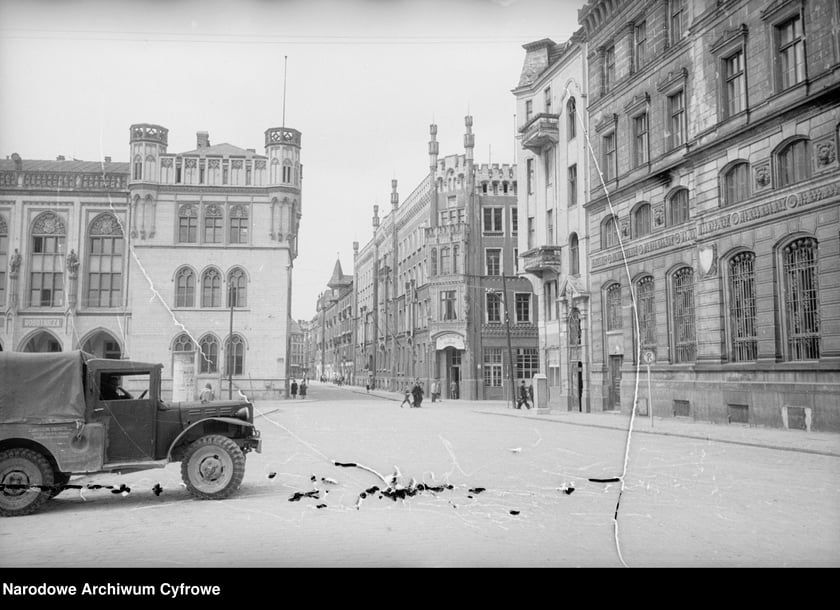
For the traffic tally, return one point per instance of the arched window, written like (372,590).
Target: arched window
(682,311)
(137,167)
(105,262)
(185,288)
(187,224)
(455,255)
(613,298)
(183,344)
(678,208)
(237,288)
(149,169)
(444,261)
(239,224)
(433,258)
(571,118)
(641,220)
(574,328)
(287,171)
(741,285)
(46,277)
(234,355)
(801,299)
(4,259)
(209,356)
(574,260)
(793,162)
(736,184)
(211,289)
(609,232)
(213,225)
(646,307)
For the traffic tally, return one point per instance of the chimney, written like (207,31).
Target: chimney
(202,139)
(60,158)
(251,150)
(107,159)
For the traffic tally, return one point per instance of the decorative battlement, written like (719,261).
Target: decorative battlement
(65,180)
(282,135)
(146,132)
(495,171)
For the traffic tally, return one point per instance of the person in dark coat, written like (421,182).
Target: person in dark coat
(303,389)
(294,388)
(523,397)
(417,393)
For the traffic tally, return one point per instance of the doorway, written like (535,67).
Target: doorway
(614,395)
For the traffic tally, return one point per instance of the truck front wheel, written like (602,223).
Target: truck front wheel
(26,481)
(213,467)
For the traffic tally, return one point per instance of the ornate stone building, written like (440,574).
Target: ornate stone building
(179,258)
(714,256)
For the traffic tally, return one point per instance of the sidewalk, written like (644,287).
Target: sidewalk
(821,443)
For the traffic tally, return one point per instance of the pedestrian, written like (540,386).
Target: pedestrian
(303,389)
(417,393)
(453,389)
(435,390)
(367,388)
(294,389)
(207,393)
(406,398)
(523,397)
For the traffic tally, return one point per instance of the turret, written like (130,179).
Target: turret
(147,143)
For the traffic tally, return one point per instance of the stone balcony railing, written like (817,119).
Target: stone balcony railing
(541,260)
(541,130)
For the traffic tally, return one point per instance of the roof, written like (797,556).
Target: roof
(338,278)
(73,165)
(224,150)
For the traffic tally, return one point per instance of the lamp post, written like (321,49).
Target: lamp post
(230,355)
(510,348)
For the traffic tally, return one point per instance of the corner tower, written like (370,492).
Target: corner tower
(285,175)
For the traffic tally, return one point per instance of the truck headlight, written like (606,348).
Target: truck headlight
(244,414)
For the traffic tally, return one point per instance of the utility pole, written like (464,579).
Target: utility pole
(510,349)
(231,348)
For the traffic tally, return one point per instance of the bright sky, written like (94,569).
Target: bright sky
(364,79)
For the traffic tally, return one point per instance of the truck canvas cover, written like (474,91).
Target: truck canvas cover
(43,388)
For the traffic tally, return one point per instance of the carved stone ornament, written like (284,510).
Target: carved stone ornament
(166,162)
(73,263)
(239,211)
(825,153)
(236,164)
(707,256)
(14,263)
(214,163)
(106,224)
(187,210)
(213,211)
(762,175)
(4,228)
(259,164)
(659,215)
(48,224)
(190,163)
(625,228)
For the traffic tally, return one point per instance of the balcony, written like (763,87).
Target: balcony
(542,260)
(540,131)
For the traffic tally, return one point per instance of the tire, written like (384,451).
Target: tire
(213,467)
(31,479)
(60,479)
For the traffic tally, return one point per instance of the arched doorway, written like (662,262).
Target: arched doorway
(42,341)
(103,344)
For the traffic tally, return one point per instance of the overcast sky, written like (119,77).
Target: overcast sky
(364,79)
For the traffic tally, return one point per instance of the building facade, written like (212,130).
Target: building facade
(553,167)
(713,209)
(163,259)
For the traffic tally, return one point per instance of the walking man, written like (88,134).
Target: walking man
(523,397)
(417,393)
(294,388)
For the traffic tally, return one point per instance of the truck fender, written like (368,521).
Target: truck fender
(201,422)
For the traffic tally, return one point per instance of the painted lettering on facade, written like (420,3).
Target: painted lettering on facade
(42,322)
(680,238)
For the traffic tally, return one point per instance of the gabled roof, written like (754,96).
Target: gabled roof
(224,149)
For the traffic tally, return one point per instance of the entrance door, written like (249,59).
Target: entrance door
(576,386)
(614,400)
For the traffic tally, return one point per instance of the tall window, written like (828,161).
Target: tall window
(514,221)
(744,339)
(4,259)
(494,307)
(187,224)
(433,260)
(529,110)
(447,305)
(183,344)
(287,171)
(572,184)
(493,221)
(211,289)
(609,67)
(575,338)
(239,224)
(530,232)
(608,156)
(444,261)
(571,118)
(234,355)
(105,262)
(641,45)
(678,208)
(550,297)
(547,100)
(801,299)
(641,220)
(46,278)
(523,307)
(793,163)
(493,367)
(683,315)
(138,167)
(574,261)
(530,167)
(209,356)
(791,52)
(493,258)
(640,139)
(185,288)
(237,288)
(548,158)
(527,362)
(613,298)
(456,253)
(678,20)
(736,184)
(213,225)
(646,306)
(609,232)
(734,88)
(549,227)
(676,113)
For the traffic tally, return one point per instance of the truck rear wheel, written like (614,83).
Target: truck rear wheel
(26,481)
(213,467)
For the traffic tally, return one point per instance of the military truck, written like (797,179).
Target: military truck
(70,413)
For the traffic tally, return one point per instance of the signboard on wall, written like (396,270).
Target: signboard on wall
(450,340)
(183,376)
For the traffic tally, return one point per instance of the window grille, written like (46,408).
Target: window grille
(801,299)
(742,307)
(683,306)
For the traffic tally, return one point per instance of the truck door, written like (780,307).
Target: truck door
(129,413)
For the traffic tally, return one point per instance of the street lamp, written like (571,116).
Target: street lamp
(510,348)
